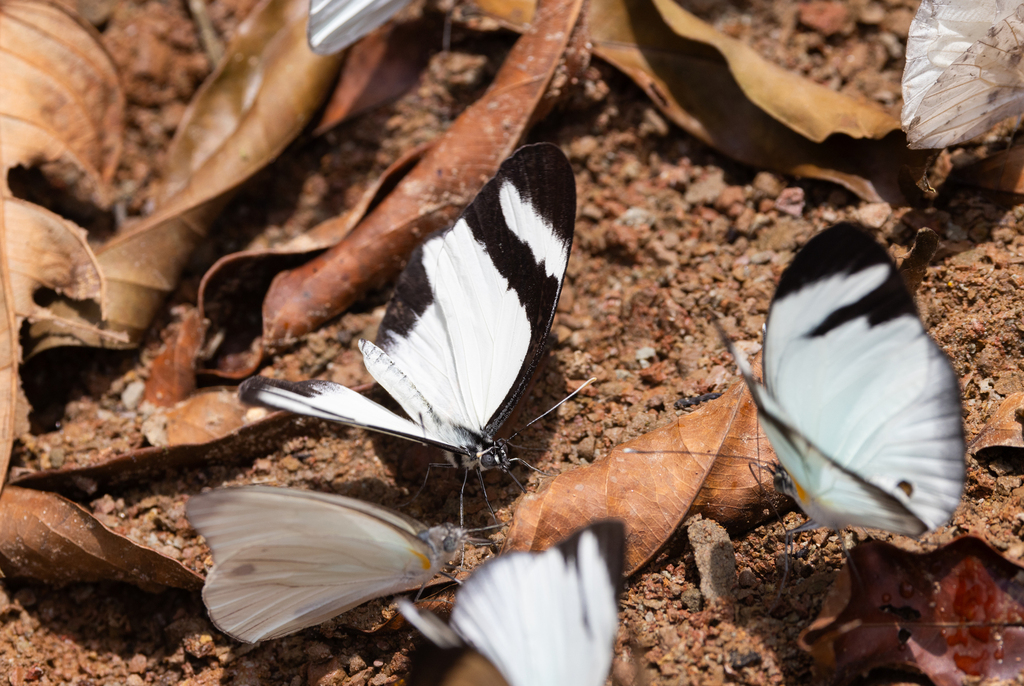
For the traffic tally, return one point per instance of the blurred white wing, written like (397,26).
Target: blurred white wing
(547,618)
(981,86)
(286,559)
(336,24)
(941,32)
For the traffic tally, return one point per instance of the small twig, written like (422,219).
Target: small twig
(212,44)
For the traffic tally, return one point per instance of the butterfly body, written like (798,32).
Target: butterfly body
(860,405)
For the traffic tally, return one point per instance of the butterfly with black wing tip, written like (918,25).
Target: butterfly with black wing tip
(861,406)
(286,559)
(536,618)
(467,323)
(336,24)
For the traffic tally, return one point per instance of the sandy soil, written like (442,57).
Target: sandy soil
(671,236)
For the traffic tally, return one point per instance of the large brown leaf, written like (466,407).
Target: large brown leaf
(953,614)
(713,461)
(264,92)
(724,93)
(49,538)
(447,178)
(60,102)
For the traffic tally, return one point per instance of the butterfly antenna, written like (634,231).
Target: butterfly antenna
(849,558)
(785,570)
(555,407)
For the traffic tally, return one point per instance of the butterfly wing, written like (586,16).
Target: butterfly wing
(980,88)
(470,314)
(336,24)
(337,403)
(942,31)
(286,559)
(548,618)
(849,367)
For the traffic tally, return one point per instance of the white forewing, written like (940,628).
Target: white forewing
(336,24)
(941,32)
(286,559)
(542,618)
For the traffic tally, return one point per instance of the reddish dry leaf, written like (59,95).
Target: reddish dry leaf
(236,447)
(263,93)
(713,461)
(431,196)
(49,538)
(381,67)
(721,91)
(954,613)
(1003,430)
(172,377)
(232,290)
(205,417)
(60,102)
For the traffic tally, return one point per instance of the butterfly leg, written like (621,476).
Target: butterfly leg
(411,500)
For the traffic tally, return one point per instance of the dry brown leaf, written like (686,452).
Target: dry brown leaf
(381,67)
(232,290)
(1001,173)
(724,93)
(264,92)
(205,417)
(433,194)
(172,378)
(49,538)
(236,447)
(713,461)
(955,613)
(1004,429)
(60,103)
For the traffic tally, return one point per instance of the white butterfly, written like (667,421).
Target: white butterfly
(286,559)
(860,405)
(964,71)
(336,24)
(467,323)
(540,618)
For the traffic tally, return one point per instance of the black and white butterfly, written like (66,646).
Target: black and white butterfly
(286,559)
(336,24)
(537,618)
(861,406)
(468,320)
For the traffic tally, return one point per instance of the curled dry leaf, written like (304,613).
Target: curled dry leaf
(381,67)
(433,193)
(264,92)
(172,378)
(713,461)
(49,538)
(724,93)
(236,447)
(953,614)
(1004,429)
(60,102)
(232,290)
